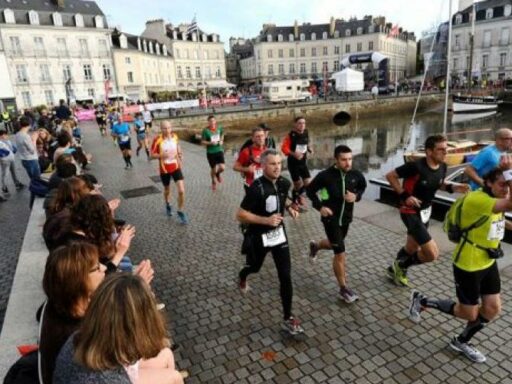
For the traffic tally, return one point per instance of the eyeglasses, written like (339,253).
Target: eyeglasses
(96,268)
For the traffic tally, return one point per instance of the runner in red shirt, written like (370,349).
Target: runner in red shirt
(248,161)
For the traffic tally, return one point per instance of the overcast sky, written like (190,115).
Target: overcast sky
(244,18)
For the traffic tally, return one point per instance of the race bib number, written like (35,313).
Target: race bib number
(258,172)
(170,161)
(271,204)
(215,138)
(142,129)
(124,138)
(497,230)
(274,237)
(302,148)
(425,214)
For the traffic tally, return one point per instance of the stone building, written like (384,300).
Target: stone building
(312,51)
(55,49)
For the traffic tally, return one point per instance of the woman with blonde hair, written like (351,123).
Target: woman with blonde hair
(122,339)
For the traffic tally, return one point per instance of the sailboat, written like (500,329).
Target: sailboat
(470,103)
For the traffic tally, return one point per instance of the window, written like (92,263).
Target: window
(188,73)
(324,51)
(21,73)
(370,45)
(26,99)
(325,66)
(485,61)
(336,66)
(269,38)
(269,53)
(107,74)
(457,41)
(127,60)
(292,69)
(66,71)
(39,46)
(336,50)
(45,72)
(313,68)
(291,53)
(347,48)
(130,77)
(503,59)
(302,37)
(33,16)
(313,36)
(57,19)
(487,38)
(9,16)
(15,45)
(196,54)
(324,35)
(217,54)
(507,10)
(290,37)
(180,73)
(505,36)
(198,72)
(455,63)
(302,52)
(205,55)
(79,20)
(458,18)
(270,69)
(177,53)
(313,51)
(359,30)
(281,69)
(90,92)
(302,67)
(359,47)
(280,53)
(48,95)
(371,29)
(98,21)
(84,48)
(347,32)
(62,47)
(279,37)
(103,47)
(87,72)
(217,72)
(489,13)
(336,34)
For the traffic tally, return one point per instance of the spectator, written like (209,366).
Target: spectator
(62,112)
(7,151)
(27,150)
(105,350)
(43,149)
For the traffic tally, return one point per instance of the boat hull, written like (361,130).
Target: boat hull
(474,104)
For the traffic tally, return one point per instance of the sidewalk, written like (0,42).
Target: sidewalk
(226,338)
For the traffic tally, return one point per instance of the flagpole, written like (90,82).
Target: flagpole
(448,58)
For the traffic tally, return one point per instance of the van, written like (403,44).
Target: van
(287,90)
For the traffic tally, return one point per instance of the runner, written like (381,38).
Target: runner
(296,147)
(333,193)
(121,133)
(270,143)
(148,119)
(475,270)
(140,130)
(421,180)
(262,209)
(213,138)
(165,147)
(248,161)
(101,119)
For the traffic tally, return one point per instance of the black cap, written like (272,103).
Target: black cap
(265,127)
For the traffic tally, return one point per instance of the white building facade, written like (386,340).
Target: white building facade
(56,49)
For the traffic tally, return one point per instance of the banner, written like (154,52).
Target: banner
(85,114)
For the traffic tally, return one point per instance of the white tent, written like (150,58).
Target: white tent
(348,80)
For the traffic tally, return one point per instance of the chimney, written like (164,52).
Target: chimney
(332,26)
(59,3)
(296,30)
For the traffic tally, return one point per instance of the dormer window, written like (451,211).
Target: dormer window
(302,37)
(347,32)
(269,38)
(336,34)
(33,17)
(324,35)
(139,47)
(123,42)
(164,50)
(98,21)
(313,36)
(279,37)
(175,35)
(507,10)
(79,20)
(458,18)
(194,36)
(145,46)
(359,30)
(9,16)
(57,19)
(290,37)
(150,47)
(488,13)
(157,48)
(205,38)
(371,29)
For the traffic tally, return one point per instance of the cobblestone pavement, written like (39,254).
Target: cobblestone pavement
(14,216)
(225,338)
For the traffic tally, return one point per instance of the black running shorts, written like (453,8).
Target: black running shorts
(335,233)
(215,158)
(470,286)
(416,228)
(126,145)
(166,177)
(298,171)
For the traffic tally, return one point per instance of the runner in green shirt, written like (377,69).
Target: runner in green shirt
(213,138)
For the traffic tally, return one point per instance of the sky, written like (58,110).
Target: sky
(244,18)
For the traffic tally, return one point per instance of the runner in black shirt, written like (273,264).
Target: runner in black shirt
(421,179)
(262,209)
(333,193)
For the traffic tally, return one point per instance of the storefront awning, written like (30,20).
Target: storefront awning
(219,84)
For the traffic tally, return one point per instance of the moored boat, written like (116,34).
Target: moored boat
(459,152)
(474,104)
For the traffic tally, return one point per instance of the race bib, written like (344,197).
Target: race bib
(274,237)
(497,230)
(142,129)
(425,214)
(215,138)
(271,204)
(124,138)
(302,148)
(170,161)
(258,172)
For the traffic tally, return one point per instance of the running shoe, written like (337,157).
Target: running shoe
(168,209)
(2,199)
(348,295)
(399,275)
(243,286)
(5,190)
(20,186)
(292,326)
(183,217)
(468,350)
(415,306)
(313,250)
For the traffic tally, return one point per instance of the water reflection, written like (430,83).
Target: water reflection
(378,144)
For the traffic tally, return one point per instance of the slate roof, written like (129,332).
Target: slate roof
(481,8)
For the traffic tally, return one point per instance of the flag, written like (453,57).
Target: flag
(394,31)
(192,26)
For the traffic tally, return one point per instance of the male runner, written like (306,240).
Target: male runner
(101,119)
(121,133)
(296,147)
(333,193)
(140,131)
(248,161)
(148,119)
(421,179)
(475,270)
(270,142)
(213,138)
(262,209)
(166,149)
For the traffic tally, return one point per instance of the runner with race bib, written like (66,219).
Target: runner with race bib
(248,162)
(121,133)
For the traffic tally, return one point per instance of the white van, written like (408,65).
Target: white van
(286,90)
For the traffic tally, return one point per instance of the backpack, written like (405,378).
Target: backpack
(452,220)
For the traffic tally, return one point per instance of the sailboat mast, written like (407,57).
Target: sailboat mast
(471,47)
(448,60)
